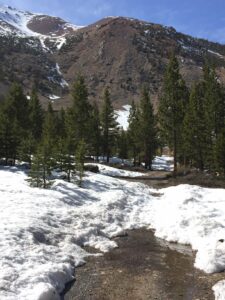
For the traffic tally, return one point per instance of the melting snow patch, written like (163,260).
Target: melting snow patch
(219,290)
(42,231)
(60,42)
(110,171)
(215,53)
(122,116)
(53,97)
(162,163)
(63,82)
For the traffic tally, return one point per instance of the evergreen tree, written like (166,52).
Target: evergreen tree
(14,124)
(96,131)
(65,145)
(80,158)
(27,147)
(133,132)
(9,140)
(219,152)
(122,144)
(214,111)
(36,116)
(108,124)
(44,159)
(172,108)
(147,129)
(19,107)
(195,130)
(41,166)
(80,112)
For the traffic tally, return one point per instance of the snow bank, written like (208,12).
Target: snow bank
(196,216)
(110,171)
(219,290)
(159,163)
(42,231)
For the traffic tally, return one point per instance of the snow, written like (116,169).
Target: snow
(17,19)
(215,53)
(42,232)
(60,42)
(110,171)
(162,163)
(16,22)
(53,97)
(219,290)
(122,116)
(63,82)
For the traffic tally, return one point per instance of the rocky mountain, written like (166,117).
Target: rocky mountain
(118,52)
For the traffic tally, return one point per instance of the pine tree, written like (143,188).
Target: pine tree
(19,106)
(9,140)
(80,159)
(44,158)
(41,166)
(195,131)
(109,125)
(172,108)
(133,132)
(14,126)
(96,131)
(214,110)
(147,129)
(80,112)
(36,116)
(27,147)
(219,152)
(49,126)
(122,145)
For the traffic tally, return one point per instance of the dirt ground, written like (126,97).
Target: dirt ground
(144,267)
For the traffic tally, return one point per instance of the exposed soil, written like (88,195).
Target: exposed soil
(162,179)
(143,267)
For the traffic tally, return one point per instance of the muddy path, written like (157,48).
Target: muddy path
(143,267)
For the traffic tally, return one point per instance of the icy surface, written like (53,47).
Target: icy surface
(42,231)
(122,116)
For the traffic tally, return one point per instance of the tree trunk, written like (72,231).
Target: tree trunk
(175,155)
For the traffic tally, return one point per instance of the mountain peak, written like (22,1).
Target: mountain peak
(25,23)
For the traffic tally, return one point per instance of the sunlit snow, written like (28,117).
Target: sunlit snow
(43,231)
(123,115)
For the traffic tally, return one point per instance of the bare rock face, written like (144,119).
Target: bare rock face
(121,53)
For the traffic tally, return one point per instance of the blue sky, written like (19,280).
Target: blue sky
(200,18)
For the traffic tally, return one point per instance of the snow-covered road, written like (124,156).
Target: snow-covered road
(42,231)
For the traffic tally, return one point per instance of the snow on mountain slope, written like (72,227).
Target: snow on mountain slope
(27,24)
(13,21)
(123,115)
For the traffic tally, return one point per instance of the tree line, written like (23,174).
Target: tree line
(190,122)
(48,139)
